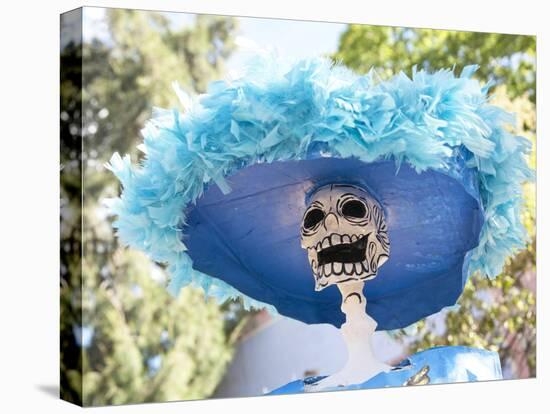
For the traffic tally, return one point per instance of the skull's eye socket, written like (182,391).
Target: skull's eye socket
(313,217)
(354,209)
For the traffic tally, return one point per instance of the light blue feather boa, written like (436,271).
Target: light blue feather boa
(273,114)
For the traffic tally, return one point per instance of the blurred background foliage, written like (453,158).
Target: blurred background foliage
(130,338)
(499,314)
(508,59)
(134,342)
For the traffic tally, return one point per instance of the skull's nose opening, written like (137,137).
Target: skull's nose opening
(344,253)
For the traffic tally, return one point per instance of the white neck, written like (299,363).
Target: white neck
(357,331)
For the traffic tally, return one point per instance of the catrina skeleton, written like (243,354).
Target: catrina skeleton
(345,234)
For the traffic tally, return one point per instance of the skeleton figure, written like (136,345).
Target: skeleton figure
(344,232)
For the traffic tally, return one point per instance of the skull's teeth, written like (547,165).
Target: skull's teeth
(337,269)
(336,239)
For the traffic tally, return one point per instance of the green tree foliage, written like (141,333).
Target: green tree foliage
(506,58)
(134,72)
(495,314)
(70,225)
(148,346)
(124,338)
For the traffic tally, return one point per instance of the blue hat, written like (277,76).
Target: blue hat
(222,189)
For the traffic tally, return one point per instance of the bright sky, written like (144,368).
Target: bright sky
(290,39)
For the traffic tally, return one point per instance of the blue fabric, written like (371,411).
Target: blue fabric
(252,237)
(435,124)
(450,364)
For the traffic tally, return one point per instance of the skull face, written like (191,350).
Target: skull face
(344,232)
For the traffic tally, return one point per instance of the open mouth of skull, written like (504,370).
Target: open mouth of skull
(341,255)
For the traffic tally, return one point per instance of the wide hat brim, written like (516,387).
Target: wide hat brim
(250,238)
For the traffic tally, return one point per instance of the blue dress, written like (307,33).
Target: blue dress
(439,365)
